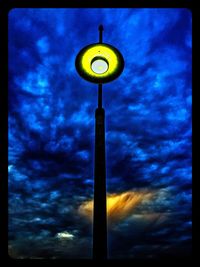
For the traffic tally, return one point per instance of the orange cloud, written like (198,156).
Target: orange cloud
(119,206)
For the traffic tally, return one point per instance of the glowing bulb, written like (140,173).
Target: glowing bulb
(99,66)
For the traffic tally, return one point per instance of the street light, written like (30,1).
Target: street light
(99,63)
(104,56)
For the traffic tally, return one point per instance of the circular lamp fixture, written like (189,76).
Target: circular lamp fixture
(99,63)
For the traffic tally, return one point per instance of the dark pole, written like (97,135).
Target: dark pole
(100,96)
(100,215)
(100,34)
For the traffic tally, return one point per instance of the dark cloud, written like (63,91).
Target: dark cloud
(51,131)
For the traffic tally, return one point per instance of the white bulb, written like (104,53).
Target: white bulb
(99,66)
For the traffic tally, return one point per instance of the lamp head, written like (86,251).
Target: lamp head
(99,63)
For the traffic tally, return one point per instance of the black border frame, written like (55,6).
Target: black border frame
(5,8)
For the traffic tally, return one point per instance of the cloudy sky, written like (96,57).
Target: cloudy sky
(148,133)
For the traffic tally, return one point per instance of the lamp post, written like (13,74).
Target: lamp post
(99,63)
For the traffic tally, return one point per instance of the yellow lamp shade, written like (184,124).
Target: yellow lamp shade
(99,63)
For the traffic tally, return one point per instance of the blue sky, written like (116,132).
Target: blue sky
(148,133)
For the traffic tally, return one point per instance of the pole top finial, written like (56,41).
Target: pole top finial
(100,27)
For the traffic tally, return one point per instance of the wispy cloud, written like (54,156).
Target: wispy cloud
(119,206)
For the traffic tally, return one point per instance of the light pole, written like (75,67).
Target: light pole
(99,63)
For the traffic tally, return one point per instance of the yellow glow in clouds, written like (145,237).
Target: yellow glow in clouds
(119,206)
